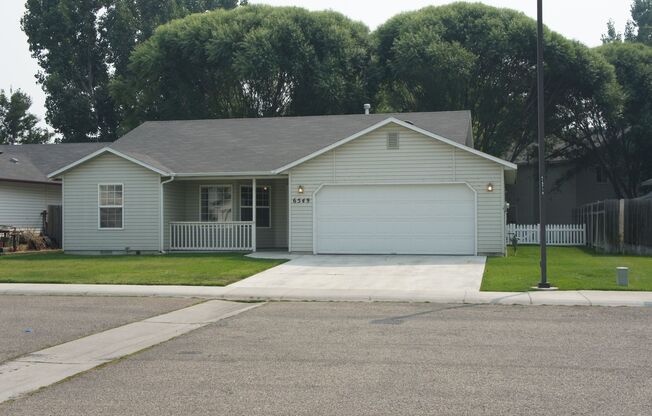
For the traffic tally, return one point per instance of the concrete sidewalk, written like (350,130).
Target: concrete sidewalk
(581,298)
(51,365)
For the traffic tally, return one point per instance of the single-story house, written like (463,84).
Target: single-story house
(25,189)
(408,183)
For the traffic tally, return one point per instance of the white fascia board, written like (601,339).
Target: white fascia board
(507,165)
(101,152)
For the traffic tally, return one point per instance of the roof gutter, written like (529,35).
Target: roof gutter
(229,174)
(48,182)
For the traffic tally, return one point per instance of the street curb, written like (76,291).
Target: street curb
(559,298)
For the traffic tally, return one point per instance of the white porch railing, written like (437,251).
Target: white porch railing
(556,234)
(211,236)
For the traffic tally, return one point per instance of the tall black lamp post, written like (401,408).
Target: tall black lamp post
(543,284)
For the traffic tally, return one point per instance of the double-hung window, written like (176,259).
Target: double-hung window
(216,203)
(111,206)
(263,208)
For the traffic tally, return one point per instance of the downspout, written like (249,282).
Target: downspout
(161,219)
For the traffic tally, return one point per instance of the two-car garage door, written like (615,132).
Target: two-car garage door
(395,219)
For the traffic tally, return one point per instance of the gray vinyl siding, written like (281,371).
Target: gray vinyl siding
(21,203)
(141,194)
(174,194)
(418,159)
(183,201)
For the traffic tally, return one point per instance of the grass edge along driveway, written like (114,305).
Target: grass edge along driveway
(215,269)
(569,268)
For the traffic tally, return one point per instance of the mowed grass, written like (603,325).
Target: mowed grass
(170,269)
(569,268)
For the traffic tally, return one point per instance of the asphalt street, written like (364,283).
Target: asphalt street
(31,323)
(378,359)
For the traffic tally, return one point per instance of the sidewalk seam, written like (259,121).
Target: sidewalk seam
(585,297)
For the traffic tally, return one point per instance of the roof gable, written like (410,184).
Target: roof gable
(105,150)
(410,126)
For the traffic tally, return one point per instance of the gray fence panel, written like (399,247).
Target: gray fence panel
(54,225)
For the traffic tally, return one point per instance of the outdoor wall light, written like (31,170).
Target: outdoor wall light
(490,187)
(300,190)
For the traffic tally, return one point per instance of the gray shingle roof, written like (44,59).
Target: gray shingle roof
(263,144)
(35,161)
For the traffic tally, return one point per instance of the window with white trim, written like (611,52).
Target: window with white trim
(111,206)
(263,207)
(216,203)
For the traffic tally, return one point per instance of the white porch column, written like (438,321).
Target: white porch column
(253,214)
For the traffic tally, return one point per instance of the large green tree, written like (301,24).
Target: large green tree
(472,56)
(81,44)
(621,141)
(641,21)
(17,124)
(253,61)
(637,29)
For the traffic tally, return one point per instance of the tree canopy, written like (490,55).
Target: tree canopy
(17,124)
(249,62)
(108,65)
(80,45)
(642,21)
(621,141)
(472,56)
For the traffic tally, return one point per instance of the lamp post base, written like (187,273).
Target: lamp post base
(546,287)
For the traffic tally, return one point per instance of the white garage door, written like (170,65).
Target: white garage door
(395,219)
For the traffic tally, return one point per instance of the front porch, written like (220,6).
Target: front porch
(224,214)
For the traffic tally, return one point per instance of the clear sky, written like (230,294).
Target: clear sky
(584,20)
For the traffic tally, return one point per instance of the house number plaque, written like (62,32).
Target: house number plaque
(300,200)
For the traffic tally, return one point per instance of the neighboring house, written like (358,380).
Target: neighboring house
(25,189)
(646,187)
(566,190)
(358,184)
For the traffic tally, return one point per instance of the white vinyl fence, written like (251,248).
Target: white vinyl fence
(556,234)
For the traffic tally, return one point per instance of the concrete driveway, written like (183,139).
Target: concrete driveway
(380,273)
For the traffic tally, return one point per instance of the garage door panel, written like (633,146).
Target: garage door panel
(415,226)
(419,245)
(392,209)
(402,219)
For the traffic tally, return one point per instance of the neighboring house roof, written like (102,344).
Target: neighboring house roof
(33,162)
(647,183)
(268,145)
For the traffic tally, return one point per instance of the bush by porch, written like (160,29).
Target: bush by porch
(218,269)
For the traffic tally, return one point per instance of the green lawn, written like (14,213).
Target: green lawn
(169,269)
(569,268)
